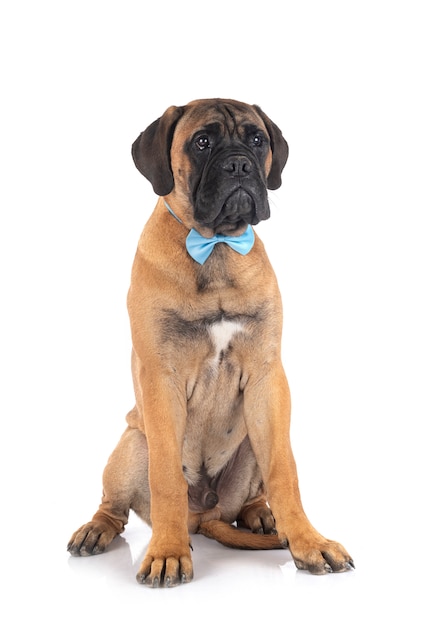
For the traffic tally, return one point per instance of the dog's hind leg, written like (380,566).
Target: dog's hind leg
(258,517)
(125,487)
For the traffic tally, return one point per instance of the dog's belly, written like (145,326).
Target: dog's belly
(215,423)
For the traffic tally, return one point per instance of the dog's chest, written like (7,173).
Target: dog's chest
(221,334)
(215,425)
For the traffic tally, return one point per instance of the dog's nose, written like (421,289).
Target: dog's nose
(237,165)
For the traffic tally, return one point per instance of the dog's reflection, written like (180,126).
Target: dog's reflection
(117,562)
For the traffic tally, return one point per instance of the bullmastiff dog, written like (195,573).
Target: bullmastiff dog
(207,447)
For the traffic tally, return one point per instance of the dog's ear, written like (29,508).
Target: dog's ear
(151,151)
(279,150)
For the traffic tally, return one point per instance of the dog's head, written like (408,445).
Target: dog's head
(214,160)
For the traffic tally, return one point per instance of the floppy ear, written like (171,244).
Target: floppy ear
(151,151)
(279,150)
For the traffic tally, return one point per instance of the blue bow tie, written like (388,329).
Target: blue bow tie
(200,247)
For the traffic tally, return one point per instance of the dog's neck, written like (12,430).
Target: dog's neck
(200,247)
(172,212)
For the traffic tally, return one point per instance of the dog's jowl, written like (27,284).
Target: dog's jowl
(207,449)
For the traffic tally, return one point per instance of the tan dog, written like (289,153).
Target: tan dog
(207,443)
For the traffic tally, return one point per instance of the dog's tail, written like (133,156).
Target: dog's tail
(233,537)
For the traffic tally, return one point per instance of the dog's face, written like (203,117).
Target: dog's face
(214,160)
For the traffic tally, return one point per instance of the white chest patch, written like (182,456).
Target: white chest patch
(221,334)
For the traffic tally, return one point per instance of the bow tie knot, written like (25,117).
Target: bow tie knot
(200,247)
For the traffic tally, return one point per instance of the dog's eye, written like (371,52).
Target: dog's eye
(202,142)
(257,140)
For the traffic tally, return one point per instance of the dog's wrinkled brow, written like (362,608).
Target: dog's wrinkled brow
(208,129)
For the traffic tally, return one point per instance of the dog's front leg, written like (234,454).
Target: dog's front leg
(267,414)
(167,560)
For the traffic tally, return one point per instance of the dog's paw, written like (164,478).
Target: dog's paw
(91,539)
(166,570)
(258,517)
(321,556)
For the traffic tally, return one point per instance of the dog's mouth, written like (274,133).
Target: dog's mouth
(237,211)
(230,194)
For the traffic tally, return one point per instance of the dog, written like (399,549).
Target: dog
(207,446)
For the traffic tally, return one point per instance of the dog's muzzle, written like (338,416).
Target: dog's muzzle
(232,192)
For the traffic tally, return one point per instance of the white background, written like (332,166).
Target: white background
(345,83)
